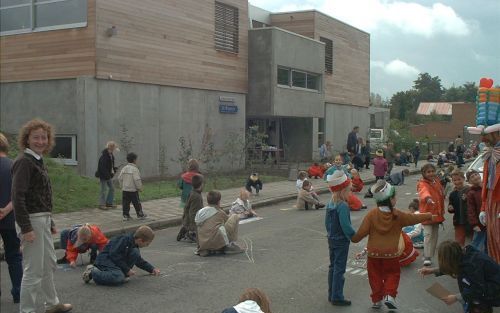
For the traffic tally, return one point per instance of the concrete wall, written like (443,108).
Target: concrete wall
(151,116)
(270,48)
(340,120)
(297,138)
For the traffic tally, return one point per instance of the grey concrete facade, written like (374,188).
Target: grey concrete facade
(153,117)
(340,120)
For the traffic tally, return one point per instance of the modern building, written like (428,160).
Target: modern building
(149,74)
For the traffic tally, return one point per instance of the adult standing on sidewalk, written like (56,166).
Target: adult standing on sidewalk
(352,140)
(416,153)
(32,202)
(105,171)
(12,244)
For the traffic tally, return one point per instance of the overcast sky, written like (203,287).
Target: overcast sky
(457,40)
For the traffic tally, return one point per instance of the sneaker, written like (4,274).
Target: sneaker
(142,217)
(203,253)
(102,207)
(87,274)
(341,302)
(233,249)
(364,207)
(390,302)
(127,218)
(110,206)
(427,262)
(62,260)
(126,279)
(60,308)
(377,305)
(319,206)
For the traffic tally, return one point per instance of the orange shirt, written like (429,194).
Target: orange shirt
(435,191)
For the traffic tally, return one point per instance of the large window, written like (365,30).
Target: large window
(65,149)
(298,79)
(24,16)
(226,28)
(328,54)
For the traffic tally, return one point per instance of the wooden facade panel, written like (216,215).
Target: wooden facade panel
(298,22)
(169,42)
(56,54)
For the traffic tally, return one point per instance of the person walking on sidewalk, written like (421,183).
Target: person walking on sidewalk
(32,202)
(105,171)
(11,242)
(185,182)
(131,183)
(416,153)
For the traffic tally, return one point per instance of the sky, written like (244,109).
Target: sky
(457,40)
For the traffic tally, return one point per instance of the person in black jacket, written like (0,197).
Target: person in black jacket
(477,274)
(113,266)
(105,171)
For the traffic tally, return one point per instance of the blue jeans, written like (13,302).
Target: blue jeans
(107,199)
(108,274)
(479,241)
(14,259)
(336,270)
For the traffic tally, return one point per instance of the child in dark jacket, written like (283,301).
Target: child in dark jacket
(474,203)
(458,207)
(114,264)
(192,206)
(255,182)
(477,274)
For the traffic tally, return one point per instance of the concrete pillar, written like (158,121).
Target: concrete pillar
(87,140)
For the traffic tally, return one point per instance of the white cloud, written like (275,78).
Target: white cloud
(396,68)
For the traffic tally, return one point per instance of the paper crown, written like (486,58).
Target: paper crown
(488,108)
(385,190)
(338,180)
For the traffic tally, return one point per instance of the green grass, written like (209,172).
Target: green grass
(72,192)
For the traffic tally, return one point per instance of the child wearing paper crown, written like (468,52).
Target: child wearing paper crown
(339,232)
(385,243)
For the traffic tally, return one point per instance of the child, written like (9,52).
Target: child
(385,245)
(339,232)
(457,205)
(254,181)
(357,182)
(431,200)
(398,179)
(415,232)
(315,171)
(131,183)
(306,199)
(301,177)
(242,206)
(474,202)
(353,201)
(337,166)
(193,205)
(477,274)
(217,232)
(379,165)
(253,300)
(185,182)
(80,239)
(113,266)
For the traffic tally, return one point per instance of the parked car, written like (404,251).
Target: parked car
(477,164)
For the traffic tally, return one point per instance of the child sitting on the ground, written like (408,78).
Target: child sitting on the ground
(415,232)
(353,201)
(242,206)
(301,177)
(193,204)
(398,179)
(357,182)
(217,232)
(131,183)
(113,266)
(305,199)
(315,171)
(254,181)
(80,239)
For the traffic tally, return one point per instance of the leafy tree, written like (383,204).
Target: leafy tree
(403,105)
(428,88)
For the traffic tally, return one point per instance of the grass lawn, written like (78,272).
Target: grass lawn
(72,192)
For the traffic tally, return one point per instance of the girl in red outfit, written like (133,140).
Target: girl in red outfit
(357,182)
(385,243)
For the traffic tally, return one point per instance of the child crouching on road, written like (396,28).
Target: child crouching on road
(385,243)
(114,264)
(306,199)
(339,232)
(357,182)
(79,240)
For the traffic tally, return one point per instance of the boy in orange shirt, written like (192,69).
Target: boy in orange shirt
(80,239)
(431,200)
(385,245)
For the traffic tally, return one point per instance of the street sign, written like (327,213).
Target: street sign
(228,108)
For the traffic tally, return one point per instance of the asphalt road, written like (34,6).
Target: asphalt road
(286,256)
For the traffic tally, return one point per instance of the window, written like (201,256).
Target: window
(24,16)
(312,81)
(283,76)
(226,27)
(65,149)
(328,54)
(299,79)
(257,24)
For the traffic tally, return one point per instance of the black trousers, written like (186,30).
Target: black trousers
(131,196)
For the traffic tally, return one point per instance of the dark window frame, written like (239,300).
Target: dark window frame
(226,33)
(328,54)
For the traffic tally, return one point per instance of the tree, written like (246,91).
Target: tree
(403,105)
(465,93)
(428,88)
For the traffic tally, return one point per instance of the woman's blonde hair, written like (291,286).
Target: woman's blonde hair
(259,297)
(4,143)
(450,255)
(32,125)
(342,195)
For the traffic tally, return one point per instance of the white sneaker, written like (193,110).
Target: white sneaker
(427,262)
(87,274)
(390,302)
(377,305)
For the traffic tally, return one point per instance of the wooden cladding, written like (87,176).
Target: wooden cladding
(328,54)
(226,27)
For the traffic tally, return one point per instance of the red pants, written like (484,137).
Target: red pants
(354,203)
(383,275)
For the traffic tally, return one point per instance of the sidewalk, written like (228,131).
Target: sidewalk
(163,213)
